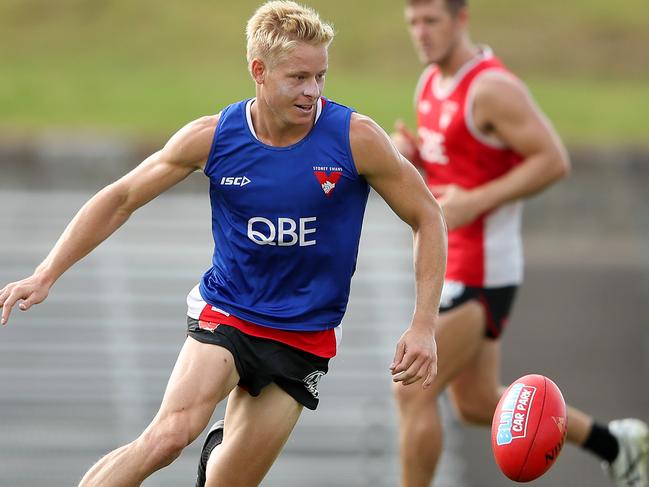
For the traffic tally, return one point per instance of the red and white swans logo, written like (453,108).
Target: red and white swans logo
(328,177)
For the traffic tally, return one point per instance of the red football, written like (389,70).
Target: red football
(528,428)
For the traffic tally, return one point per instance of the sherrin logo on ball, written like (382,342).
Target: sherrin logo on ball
(529,428)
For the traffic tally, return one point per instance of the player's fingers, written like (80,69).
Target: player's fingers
(8,304)
(398,355)
(438,190)
(405,364)
(403,129)
(430,377)
(407,376)
(4,293)
(410,365)
(29,302)
(415,373)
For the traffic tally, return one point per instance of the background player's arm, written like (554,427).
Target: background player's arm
(401,186)
(105,212)
(406,143)
(504,109)
(405,140)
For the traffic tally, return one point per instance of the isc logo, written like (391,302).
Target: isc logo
(230,181)
(287,232)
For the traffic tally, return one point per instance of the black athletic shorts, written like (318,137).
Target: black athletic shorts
(260,361)
(497,303)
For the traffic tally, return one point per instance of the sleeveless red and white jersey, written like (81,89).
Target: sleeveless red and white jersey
(488,251)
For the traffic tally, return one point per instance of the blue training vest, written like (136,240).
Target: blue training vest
(286,222)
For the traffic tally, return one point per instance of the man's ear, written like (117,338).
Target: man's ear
(258,70)
(463,16)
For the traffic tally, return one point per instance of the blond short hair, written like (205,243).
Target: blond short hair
(277,26)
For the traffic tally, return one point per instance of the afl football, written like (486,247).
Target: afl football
(528,428)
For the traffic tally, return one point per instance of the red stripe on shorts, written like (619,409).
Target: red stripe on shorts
(320,343)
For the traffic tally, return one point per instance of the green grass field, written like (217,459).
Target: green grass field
(146,67)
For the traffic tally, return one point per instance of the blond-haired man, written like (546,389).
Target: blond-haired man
(289,178)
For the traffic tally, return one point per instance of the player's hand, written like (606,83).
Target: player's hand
(30,291)
(416,357)
(459,205)
(404,140)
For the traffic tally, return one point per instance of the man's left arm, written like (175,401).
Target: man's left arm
(508,110)
(504,109)
(402,187)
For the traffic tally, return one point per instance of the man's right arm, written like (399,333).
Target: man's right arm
(104,213)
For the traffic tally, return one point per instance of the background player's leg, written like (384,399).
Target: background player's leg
(476,390)
(475,393)
(202,377)
(579,426)
(459,336)
(256,429)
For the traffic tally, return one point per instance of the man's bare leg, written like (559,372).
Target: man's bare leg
(256,429)
(459,336)
(203,375)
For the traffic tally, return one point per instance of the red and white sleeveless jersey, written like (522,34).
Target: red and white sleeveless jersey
(488,251)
